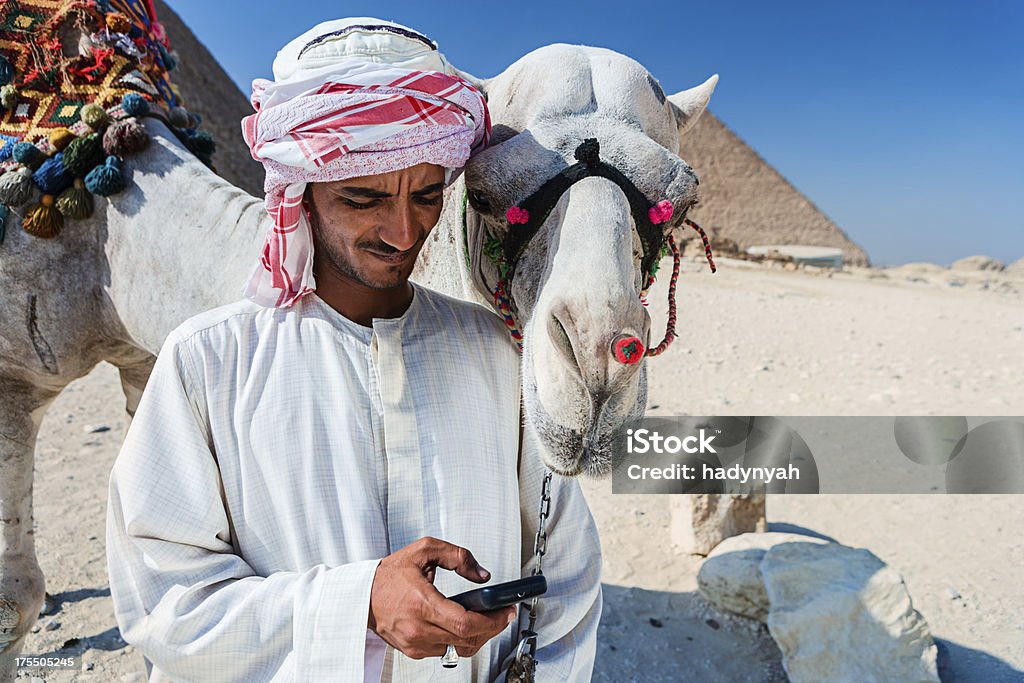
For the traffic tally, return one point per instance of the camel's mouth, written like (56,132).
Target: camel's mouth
(573,452)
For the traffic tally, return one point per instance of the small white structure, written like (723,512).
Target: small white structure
(823,257)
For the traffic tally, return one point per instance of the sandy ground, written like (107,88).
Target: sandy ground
(755,340)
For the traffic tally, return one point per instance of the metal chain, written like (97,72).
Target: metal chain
(524,668)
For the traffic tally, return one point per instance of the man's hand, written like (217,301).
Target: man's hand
(414,618)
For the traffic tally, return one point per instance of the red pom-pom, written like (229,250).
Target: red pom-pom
(627,349)
(660,212)
(517,215)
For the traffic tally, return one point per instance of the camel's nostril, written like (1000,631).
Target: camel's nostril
(562,341)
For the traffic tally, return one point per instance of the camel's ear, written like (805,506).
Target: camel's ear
(688,105)
(479,83)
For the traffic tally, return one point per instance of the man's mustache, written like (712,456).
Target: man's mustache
(385,248)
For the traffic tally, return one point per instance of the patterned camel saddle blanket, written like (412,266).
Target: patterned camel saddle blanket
(75,78)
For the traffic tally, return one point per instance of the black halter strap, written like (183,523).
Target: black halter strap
(540,203)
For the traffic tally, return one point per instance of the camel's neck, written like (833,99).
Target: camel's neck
(179,241)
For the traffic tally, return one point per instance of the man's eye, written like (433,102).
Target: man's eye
(359,205)
(429,201)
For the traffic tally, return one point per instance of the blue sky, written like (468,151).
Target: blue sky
(900,120)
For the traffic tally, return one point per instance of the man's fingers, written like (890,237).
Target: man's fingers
(453,557)
(454,619)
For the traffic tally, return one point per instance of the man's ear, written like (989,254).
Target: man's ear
(688,105)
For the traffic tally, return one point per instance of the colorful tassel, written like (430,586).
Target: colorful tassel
(43,219)
(201,144)
(75,202)
(178,117)
(118,23)
(52,177)
(125,137)
(28,154)
(107,179)
(516,214)
(8,97)
(16,187)
(84,154)
(94,116)
(660,212)
(134,104)
(61,138)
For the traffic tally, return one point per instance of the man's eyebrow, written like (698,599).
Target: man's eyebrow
(370,193)
(357,191)
(430,189)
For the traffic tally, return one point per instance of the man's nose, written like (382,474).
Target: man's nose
(402,229)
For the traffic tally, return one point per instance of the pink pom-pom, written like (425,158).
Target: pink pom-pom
(660,212)
(517,215)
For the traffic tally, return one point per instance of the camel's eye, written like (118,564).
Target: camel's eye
(480,201)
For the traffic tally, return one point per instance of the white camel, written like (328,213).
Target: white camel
(181,240)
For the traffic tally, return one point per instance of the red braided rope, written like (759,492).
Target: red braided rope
(707,244)
(670,326)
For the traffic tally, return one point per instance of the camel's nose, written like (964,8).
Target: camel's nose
(590,352)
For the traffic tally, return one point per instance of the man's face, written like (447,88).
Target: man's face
(370,229)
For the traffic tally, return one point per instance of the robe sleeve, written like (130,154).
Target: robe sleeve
(193,607)
(571,608)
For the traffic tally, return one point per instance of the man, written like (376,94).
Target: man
(302,462)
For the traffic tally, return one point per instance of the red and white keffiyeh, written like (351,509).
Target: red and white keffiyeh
(353,117)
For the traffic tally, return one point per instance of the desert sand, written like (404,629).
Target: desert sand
(755,339)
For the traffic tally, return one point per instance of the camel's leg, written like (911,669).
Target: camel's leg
(21,579)
(702,521)
(133,380)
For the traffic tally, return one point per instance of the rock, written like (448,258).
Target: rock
(920,267)
(95,429)
(977,263)
(731,576)
(1017,266)
(700,522)
(841,615)
(52,625)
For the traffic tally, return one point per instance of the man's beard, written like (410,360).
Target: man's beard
(341,263)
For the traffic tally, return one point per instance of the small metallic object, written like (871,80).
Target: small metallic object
(450,659)
(524,667)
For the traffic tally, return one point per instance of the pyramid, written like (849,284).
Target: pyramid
(746,200)
(207,90)
(742,197)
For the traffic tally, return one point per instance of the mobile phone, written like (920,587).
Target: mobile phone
(502,594)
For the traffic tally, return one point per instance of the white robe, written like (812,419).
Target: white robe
(278,455)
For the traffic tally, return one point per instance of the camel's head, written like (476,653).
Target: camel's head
(576,280)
